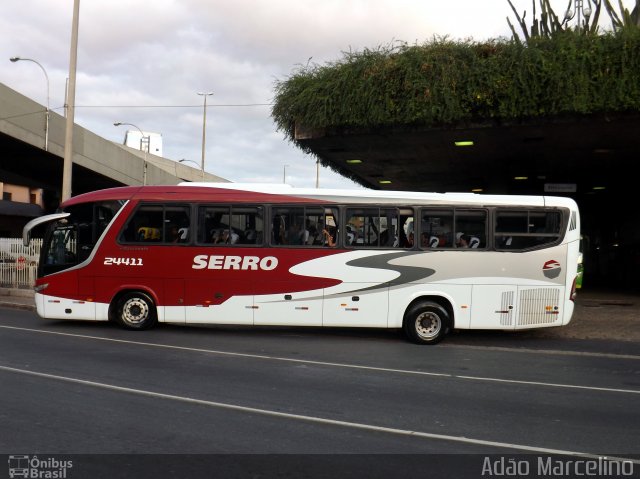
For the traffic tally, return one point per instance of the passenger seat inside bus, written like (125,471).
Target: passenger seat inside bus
(248,237)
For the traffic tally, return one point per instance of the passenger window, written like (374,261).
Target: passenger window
(436,229)
(248,223)
(157,224)
(304,226)
(176,224)
(376,227)
(523,229)
(145,226)
(471,229)
(230,225)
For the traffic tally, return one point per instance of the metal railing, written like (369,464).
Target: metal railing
(18,263)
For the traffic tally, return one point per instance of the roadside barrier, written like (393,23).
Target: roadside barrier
(18,263)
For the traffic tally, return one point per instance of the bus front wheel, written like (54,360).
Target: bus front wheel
(426,322)
(136,310)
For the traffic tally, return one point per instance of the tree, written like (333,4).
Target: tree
(586,13)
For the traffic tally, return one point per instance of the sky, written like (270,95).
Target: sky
(144,61)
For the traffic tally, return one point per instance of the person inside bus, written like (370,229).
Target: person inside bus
(303,236)
(424,240)
(278,230)
(294,234)
(405,241)
(329,234)
(311,232)
(225,237)
(466,241)
(410,240)
(174,234)
(216,233)
(228,237)
(462,240)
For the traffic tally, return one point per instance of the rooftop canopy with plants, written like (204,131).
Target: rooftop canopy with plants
(552,68)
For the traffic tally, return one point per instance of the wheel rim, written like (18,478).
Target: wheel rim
(428,325)
(135,311)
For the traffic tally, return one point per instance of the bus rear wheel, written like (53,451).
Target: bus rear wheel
(426,322)
(136,310)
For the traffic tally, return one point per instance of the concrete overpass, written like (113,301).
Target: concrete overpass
(97,162)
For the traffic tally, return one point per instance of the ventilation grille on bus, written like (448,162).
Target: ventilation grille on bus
(538,306)
(574,221)
(506,306)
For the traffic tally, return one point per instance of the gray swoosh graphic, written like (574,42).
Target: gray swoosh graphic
(408,274)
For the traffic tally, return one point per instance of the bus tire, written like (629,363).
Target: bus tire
(426,322)
(136,310)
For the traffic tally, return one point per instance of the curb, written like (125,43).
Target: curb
(15,298)
(22,306)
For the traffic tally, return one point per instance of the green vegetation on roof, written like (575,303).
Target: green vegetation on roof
(444,82)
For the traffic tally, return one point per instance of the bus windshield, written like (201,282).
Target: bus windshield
(71,240)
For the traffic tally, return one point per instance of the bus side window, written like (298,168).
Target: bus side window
(525,229)
(176,224)
(472,225)
(436,229)
(373,227)
(155,223)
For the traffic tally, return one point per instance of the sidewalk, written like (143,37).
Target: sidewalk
(17,299)
(602,314)
(598,314)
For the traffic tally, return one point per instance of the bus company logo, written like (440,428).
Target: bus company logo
(37,468)
(551,269)
(203,261)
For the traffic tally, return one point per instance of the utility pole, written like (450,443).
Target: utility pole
(68,137)
(204,127)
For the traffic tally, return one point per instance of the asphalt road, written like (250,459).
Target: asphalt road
(91,388)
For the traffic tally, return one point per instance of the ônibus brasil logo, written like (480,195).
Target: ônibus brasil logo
(551,269)
(40,468)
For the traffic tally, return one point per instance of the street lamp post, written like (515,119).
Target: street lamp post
(284,173)
(142,137)
(580,9)
(46,121)
(204,126)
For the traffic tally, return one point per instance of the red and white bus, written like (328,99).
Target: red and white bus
(275,255)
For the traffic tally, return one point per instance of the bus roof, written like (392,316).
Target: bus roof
(282,193)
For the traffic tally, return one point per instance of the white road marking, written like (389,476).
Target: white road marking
(313,419)
(557,352)
(331,364)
